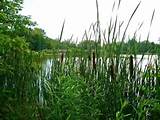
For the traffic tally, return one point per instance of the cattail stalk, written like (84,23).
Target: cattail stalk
(62,57)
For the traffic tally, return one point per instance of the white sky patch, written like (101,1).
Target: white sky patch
(79,14)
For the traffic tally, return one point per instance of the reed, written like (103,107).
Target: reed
(98,84)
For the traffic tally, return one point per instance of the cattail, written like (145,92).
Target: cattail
(112,70)
(94,61)
(157,75)
(131,66)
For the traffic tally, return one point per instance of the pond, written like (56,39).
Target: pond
(142,61)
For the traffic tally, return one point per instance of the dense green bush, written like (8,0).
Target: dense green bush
(17,75)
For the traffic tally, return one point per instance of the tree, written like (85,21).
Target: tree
(37,39)
(88,44)
(67,44)
(11,22)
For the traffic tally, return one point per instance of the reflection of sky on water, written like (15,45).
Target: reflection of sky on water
(45,74)
(148,60)
(141,61)
(47,68)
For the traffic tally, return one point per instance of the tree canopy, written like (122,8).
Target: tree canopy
(11,22)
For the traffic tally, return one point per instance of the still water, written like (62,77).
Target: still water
(139,60)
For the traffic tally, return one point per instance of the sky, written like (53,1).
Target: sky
(80,14)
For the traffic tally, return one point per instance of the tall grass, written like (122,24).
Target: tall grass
(100,85)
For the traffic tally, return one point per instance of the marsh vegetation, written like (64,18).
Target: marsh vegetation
(101,79)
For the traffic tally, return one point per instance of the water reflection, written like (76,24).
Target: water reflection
(142,62)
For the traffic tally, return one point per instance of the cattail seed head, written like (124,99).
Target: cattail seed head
(112,70)
(94,60)
(131,65)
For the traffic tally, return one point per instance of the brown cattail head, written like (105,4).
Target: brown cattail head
(131,66)
(94,60)
(112,70)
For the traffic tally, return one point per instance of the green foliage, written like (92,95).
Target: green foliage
(86,81)
(67,45)
(135,47)
(87,45)
(37,40)
(16,73)
(11,23)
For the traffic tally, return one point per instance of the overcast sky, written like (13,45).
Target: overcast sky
(79,14)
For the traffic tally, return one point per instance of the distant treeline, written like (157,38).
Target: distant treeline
(38,41)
